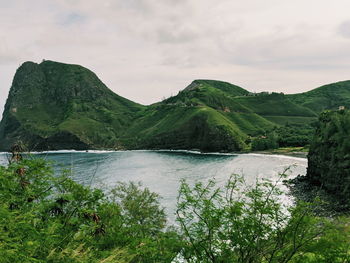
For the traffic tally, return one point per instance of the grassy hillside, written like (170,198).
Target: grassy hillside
(203,116)
(275,104)
(330,96)
(54,105)
(218,85)
(224,98)
(50,101)
(188,127)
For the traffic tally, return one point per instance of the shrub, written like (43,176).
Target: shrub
(243,224)
(47,218)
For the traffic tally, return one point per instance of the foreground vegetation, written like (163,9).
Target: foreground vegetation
(44,218)
(47,218)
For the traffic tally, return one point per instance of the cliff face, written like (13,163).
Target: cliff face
(54,105)
(329,155)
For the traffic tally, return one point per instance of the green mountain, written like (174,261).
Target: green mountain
(203,116)
(59,106)
(53,105)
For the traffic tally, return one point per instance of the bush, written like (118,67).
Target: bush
(243,224)
(47,218)
(294,136)
(44,218)
(265,142)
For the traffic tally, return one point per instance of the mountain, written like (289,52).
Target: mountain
(213,115)
(54,105)
(203,116)
(57,106)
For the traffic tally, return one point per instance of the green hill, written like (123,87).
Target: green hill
(173,127)
(203,116)
(330,97)
(53,105)
(224,98)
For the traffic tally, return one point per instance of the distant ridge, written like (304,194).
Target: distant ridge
(54,106)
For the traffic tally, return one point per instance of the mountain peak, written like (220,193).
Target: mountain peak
(53,102)
(217,84)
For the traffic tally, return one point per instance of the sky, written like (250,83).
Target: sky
(147,50)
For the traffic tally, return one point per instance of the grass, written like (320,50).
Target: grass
(275,105)
(183,127)
(330,96)
(292,120)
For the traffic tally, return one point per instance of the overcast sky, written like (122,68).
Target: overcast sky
(149,49)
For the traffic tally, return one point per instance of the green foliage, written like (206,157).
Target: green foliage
(333,246)
(51,100)
(200,128)
(239,223)
(140,208)
(265,142)
(275,105)
(47,218)
(294,135)
(288,135)
(329,159)
(44,218)
(328,97)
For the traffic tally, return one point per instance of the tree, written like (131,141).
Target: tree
(244,224)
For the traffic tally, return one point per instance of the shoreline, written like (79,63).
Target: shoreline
(286,152)
(290,154)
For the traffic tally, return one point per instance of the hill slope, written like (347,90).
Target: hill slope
(53,105)
(330,97)
(203,116)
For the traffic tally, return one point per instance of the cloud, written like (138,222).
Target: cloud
(71,19)
(175,34)
(299,51)
(6,56)
(147,49)
(344,29)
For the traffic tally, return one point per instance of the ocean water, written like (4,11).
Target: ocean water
(162,171)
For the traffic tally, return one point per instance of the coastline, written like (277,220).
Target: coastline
(289,154)
(299,152)
(286,152)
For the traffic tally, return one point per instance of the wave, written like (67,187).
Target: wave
(277,156)
(167,150)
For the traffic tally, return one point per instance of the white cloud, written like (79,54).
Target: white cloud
(344,29)
(147,49)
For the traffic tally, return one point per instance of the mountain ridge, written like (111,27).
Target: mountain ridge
(53,104)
